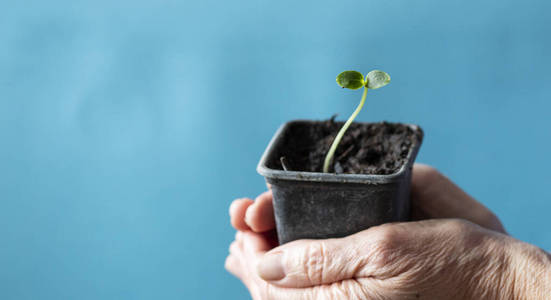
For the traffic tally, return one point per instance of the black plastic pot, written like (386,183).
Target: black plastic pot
(309,205)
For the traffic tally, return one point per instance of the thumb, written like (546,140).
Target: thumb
(306,263)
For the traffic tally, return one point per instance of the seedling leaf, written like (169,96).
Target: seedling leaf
(376,79)
(351,80)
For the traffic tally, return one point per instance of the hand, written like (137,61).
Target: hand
(435,259)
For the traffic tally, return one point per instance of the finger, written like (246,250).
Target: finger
(307,263)
(232,266)
(371,253)
(260,216)
(255,244)
(236,247)
(433,195)
(236,260)
(238,209)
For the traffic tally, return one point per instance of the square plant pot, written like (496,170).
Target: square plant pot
(316,205)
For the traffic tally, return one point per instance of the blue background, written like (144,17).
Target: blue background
(128,127)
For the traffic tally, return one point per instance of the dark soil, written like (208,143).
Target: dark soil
(373,148)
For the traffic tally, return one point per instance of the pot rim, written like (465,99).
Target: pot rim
(269,173)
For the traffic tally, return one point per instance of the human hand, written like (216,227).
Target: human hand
(437,259)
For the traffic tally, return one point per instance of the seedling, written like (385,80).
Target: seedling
(354,80)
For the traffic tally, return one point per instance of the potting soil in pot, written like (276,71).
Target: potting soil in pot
(375,148)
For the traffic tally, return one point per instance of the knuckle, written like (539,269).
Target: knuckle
(387,235)
(464,232)
(458,225)
(315,260)
(234,247)
(232,266)
(385,244)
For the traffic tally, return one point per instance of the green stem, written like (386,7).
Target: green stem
(337,140)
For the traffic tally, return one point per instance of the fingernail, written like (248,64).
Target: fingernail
(270,267)
(248,212)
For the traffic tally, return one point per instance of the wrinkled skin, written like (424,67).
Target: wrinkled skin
(457,249)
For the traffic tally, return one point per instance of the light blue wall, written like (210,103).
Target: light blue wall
(127,127)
